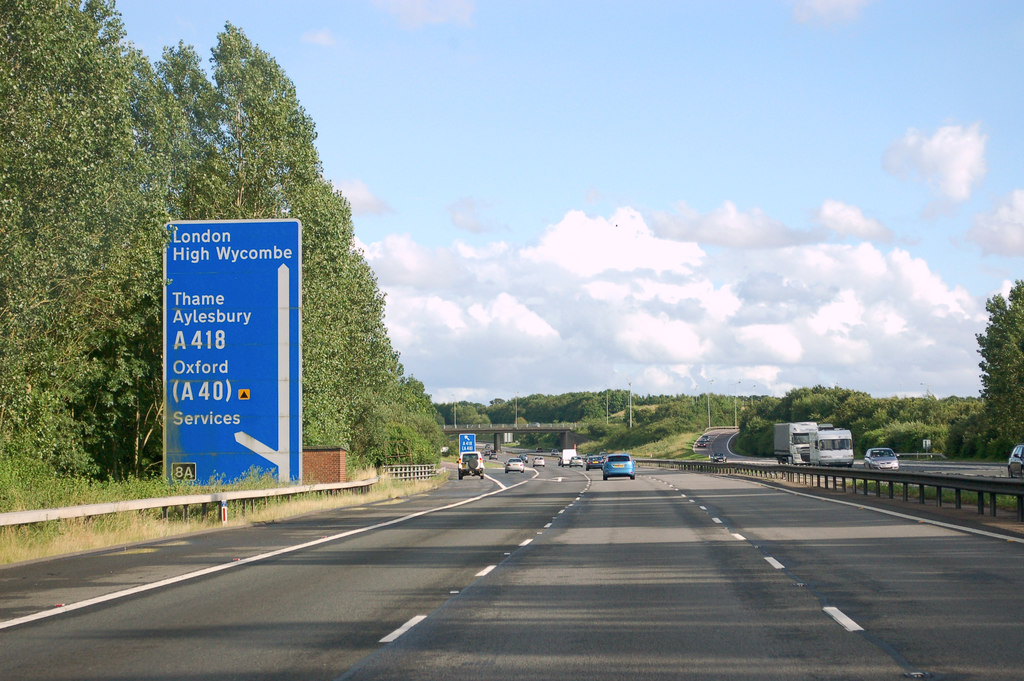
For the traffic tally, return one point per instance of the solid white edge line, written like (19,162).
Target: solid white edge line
(402,629)
(844,621)
(896,514)
(486,570)
(53,612)
(774,563)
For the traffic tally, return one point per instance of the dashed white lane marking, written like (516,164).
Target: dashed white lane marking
(717,520)
(524,543)
(402,629)
(774,563)
(739,536)
(142,588)
(844,621)
(486,570)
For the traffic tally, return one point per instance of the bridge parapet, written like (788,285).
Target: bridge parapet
(510,427)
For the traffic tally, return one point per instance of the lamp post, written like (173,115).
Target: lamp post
(711,382)
(735,412)
(630,383)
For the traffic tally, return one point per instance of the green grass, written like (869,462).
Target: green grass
(39,540)
(678,446)
(28,488)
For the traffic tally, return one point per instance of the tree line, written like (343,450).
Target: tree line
(99,149)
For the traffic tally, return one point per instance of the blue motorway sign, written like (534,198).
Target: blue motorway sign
(232,350)
(467,442)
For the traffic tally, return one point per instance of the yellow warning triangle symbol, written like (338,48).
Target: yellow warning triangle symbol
(243,393)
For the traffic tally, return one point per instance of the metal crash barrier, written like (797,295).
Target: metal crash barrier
(988,490)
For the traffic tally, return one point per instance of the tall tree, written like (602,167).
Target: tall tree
(78,236)
(244,148)
(1002,368)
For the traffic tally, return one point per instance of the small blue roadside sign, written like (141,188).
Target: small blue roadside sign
(467,442)
(232,350)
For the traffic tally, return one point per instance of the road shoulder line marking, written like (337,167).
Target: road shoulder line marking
(402,629)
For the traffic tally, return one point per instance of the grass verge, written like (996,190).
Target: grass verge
(76,535)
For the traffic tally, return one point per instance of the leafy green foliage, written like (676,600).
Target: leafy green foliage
(900,423)
(99,149)
(1002,370)
(79,240)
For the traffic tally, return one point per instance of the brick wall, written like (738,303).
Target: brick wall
(320,466)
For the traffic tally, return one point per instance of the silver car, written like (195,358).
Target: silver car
(882,459)
(1015,466)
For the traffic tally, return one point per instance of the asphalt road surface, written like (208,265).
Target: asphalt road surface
(672,576)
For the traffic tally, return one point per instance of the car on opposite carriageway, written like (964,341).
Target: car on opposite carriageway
(882,459)
(1015,465)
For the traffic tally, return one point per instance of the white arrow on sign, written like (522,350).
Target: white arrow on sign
(281,456)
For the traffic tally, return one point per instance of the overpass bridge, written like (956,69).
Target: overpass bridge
(564,431)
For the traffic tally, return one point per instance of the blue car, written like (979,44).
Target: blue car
(619,465)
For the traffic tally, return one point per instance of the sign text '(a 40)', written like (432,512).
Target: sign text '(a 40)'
(218,391)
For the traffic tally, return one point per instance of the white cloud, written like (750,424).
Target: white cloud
(586,246)
(828,11)
(413,14)
(775,342)
(657,339)
(362,199)
(1001,232)
(322,37)
(840,315)
(848,220)
(507,314)
(726,226)
(401,261)
(952,161)
(598,301)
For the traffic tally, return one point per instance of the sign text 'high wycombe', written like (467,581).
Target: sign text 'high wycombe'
(232,350)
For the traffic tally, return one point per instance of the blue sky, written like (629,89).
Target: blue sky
(681,196)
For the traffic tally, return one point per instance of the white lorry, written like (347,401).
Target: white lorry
(793,441)
(566,456)
(814,444)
